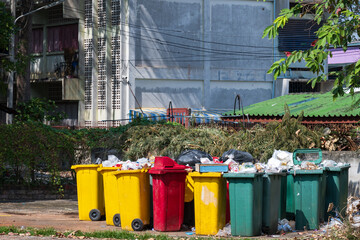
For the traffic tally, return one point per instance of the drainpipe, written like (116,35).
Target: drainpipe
(274,50)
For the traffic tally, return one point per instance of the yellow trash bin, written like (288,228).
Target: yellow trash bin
(111,195)
(189,188)
(210,202)
(134,198)
(90,192)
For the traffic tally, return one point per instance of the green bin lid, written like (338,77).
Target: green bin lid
(307,151)
(338,169)
(242,175)
(303,171)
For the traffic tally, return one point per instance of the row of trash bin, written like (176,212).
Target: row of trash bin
(255,200)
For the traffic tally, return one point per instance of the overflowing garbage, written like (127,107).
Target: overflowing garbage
(113,161)
(209,176)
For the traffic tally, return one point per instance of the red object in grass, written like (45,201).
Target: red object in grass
(287,54)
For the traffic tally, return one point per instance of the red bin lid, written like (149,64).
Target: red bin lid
(166,165)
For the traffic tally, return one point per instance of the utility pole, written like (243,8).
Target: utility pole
(10,93)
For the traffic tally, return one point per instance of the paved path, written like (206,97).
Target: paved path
(62,215)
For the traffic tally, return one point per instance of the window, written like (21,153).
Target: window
(302,87)
(37,46)
(61,37)
(297,34)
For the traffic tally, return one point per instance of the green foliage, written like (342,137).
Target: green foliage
(39,110)
(7,29)
(32,153)
(340,23)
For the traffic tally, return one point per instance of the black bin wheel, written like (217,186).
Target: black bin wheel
(95,215)
(137,224)
(117,220)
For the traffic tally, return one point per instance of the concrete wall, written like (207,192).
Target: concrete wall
(354,172)
(200,53)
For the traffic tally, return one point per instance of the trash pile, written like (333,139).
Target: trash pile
(113,161)
(353,211)
(266,181)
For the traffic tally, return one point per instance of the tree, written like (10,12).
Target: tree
(340,26)
(24,49)
(6,30)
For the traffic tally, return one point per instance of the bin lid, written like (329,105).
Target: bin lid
(116,173)
(302,171)
(164,165)
(76,167)
(205,174)
(102,170)
(307,151)
(275,173)
(338,169)
(243,175)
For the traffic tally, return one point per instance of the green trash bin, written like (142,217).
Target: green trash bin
(290,201)
(307,198)
(336,190)
(308,192)
(245,192)
(282,204)
(271,201)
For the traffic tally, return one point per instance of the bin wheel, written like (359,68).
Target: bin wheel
(95,215)
(137,224)
(117,220)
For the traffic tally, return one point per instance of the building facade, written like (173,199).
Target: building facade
(98,59)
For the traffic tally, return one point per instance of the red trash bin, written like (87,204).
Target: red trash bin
(168,194)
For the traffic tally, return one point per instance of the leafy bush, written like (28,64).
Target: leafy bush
(33,153)
(38,109)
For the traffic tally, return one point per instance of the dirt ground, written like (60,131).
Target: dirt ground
(62,215)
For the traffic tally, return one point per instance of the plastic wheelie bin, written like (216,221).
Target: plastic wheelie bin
(282,206)
(134,197)
(309,193)
(168,194)
(111,195)
(90,192)
(271,201)
(246,197)
(209,202)
(290,201)
(189,217)
(336,190)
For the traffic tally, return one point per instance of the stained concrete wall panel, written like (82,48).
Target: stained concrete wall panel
(168,33)
(158,93)
(240,25)
(223,93)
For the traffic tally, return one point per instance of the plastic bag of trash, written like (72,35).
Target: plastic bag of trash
(353,211)
(225,232)
(328,163)
(233,166)
(247,167)
(191,157)
(237,156)
(308,165)
(284,225)
(285,158)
